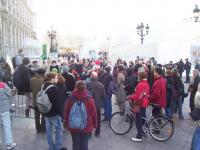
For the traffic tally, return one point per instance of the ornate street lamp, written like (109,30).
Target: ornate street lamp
(196,12)
(52,36)
(140,30)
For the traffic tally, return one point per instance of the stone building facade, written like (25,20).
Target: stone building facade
(16,25)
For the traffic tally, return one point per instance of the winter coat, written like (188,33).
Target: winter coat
(188,66)
(141,88)
(130,83)
(158,92)
(5,95)
(169,91)
(106,78)
(61,96)
(178,87)
(121,94)
(194,87)
(97,91)
(24,78)
(90,107)
(197,104)
(35,86)
(54,99)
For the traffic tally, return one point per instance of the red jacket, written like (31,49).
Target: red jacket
(142,87)
(158,92)
(91,111)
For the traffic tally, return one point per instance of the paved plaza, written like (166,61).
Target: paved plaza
(27,139)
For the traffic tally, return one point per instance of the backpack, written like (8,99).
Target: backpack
(78,114)
(17,81)
(14,62)
(43,103)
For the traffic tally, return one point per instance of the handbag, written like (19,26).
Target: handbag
(195,114)
(136,105)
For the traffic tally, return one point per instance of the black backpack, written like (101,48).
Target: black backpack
(17,79)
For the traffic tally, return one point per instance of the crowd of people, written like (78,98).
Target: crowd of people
(91,84)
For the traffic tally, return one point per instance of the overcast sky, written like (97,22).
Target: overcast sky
(115,17)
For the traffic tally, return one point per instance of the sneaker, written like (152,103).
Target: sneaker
(11,146)
(136,140)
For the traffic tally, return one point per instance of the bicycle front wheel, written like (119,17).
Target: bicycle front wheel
(161,128)
(120,123)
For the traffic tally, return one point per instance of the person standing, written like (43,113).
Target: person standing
(80,137)
(22,78)
(61,93)
(140,97)
(5,96)
(180,67)
(179,93)
(193,88)
(196,136)
(169,93)
(158,91)
(187,68)
(53,117)
(121,94)
(69,80)
(97,91)
(109,85)
(35,86)
(19,58)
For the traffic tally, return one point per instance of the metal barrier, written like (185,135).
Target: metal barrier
(18,106)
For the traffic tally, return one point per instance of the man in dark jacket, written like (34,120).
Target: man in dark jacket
(53,117)
(109,85)
(97,91)
(187,68)
(24,87)
(180,67)
(69,80)
(35,86)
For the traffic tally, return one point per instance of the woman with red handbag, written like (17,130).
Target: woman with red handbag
(140,98)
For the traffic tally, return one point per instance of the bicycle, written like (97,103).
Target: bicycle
(160,128)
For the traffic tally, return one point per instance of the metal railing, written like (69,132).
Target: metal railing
(18,106)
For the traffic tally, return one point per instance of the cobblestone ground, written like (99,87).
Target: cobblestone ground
(27,139)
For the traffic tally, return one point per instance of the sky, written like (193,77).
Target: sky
(105,17)
(116,18)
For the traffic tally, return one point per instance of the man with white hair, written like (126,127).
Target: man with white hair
(97,91)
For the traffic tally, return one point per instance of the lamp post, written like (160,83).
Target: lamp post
(196,12)
(52,36)
(140,30)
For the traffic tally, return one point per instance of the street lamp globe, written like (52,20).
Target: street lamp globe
(196,12)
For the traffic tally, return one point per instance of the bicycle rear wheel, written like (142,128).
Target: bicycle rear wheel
(120,123)
(161,128)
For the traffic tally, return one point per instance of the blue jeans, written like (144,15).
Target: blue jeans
(51,122)
(168,112)
(179,103)
(196,140)
(108,107)
(6,122)
(80,141)
(139,122)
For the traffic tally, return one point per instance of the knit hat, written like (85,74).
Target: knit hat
(41,71)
